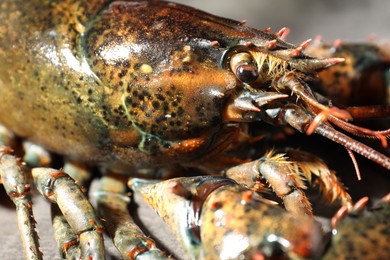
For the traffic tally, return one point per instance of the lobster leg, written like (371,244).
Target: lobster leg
(15,183)
(283,177)
(113,201)
(66,238)
(59,188)
(310,165)
(35,155)
(286,172)
(64,235)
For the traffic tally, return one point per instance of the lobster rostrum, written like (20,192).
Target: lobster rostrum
(133,86)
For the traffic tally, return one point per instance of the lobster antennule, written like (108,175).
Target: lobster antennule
(300,89)
(369,112)
(333,114)
(361,131)
(300,119)
(355,164)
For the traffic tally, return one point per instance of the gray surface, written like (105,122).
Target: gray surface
(333,19)
(349,20)
(11,247)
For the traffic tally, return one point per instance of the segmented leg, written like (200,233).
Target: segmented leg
(35,155)
(286,173)
(59,188)
(65,237)
(17,188)
(113,201)
(282,176)
(310,165)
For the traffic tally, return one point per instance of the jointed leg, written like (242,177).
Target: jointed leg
(281,175)
(18,190)
(311,166)
(66,238)
(113,201)
(59,188)
(286,177)
(64,235)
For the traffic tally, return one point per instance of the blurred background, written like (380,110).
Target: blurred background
(352,20)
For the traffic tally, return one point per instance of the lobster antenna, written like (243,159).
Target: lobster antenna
(353,145)
(298,88)
(361,131)
(333,114)
(355,164)
(350,128)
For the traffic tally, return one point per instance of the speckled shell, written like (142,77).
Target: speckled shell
(362,235)
(361,80)
(216,218)
(124,83)
(130,83)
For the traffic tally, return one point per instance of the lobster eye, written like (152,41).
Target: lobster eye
(244,67)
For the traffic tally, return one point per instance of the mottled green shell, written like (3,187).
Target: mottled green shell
(362,235)
(124,83)
(129,83)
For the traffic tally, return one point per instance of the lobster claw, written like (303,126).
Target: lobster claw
(178,202)
(206,213)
